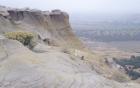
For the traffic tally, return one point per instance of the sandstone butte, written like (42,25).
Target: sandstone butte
(58,59)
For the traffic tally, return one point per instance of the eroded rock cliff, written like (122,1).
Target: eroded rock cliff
(51,63)
(48,25)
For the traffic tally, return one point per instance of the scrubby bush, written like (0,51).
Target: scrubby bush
(24,37)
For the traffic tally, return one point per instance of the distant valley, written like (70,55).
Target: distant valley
(121,33)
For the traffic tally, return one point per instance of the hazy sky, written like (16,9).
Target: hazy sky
(71,6)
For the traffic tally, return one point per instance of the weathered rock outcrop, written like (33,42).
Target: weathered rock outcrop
(48,25)
(46,66)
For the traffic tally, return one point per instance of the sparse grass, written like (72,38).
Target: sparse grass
(24,37)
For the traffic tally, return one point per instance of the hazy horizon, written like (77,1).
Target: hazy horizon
(79,6)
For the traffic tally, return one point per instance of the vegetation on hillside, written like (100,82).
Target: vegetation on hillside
(131,66)
(24,37)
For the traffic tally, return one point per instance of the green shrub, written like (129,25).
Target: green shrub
(24,37)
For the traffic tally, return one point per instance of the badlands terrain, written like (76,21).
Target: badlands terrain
(54,58)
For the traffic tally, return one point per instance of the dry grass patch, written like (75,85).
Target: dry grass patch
(24,37)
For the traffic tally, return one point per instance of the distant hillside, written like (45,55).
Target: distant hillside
(108,28)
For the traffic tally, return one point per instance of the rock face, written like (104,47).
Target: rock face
(48,25)
(46,66)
